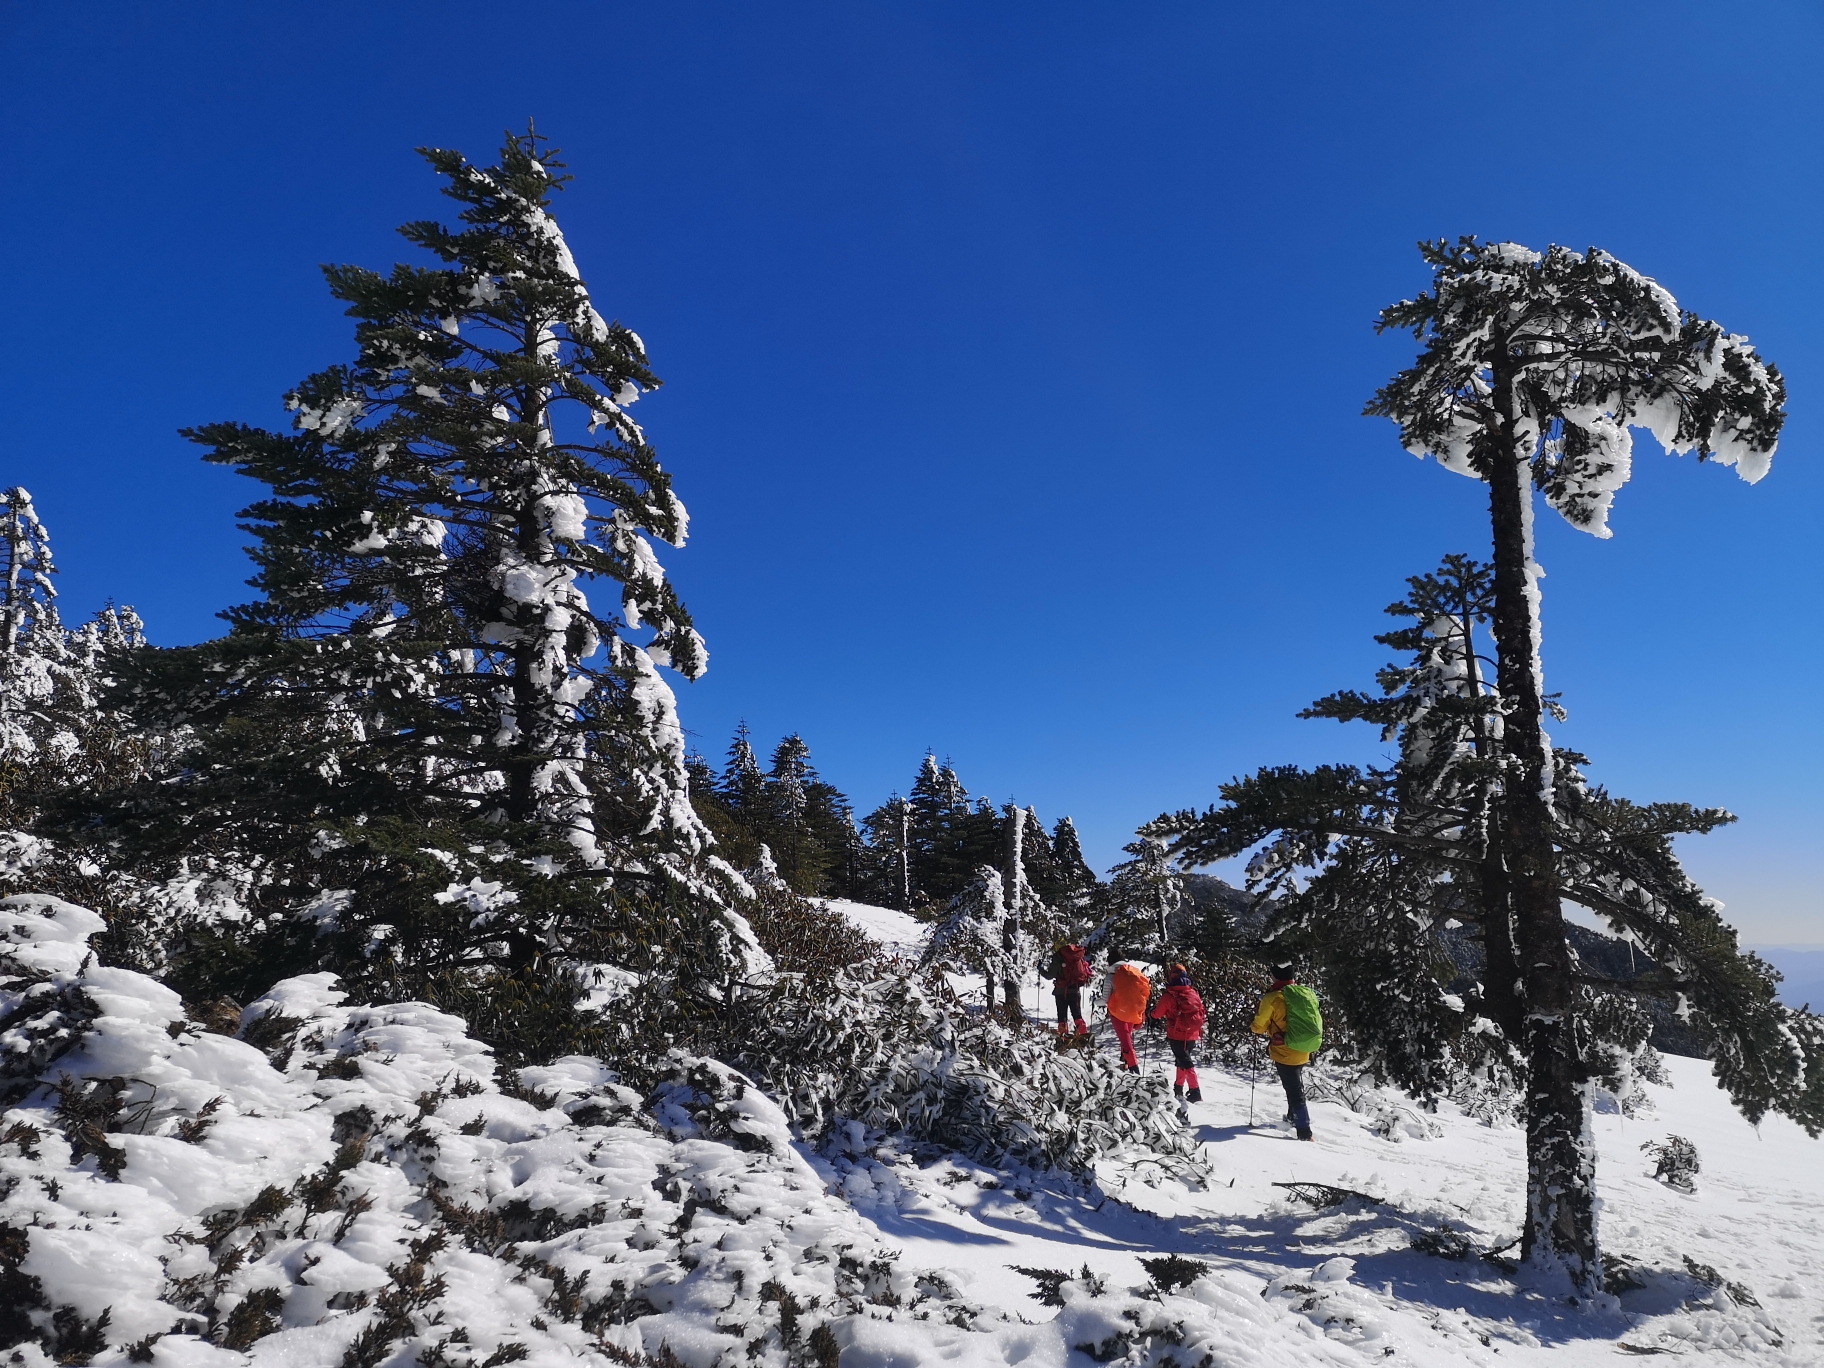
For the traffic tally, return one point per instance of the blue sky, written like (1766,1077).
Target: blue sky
(1014,353)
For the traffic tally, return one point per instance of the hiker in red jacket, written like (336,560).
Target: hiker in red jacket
(1070,974)
(1181,1009)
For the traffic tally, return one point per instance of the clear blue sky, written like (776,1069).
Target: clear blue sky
(1014,352)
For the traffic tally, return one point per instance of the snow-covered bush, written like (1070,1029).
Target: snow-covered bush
(886,1048)
(363,1185)
(802,937)
(1675,1162)
(362,1181)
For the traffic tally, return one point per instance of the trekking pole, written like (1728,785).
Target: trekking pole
(1253,1074)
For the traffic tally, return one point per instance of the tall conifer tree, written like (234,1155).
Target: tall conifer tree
(424,651)
(1397,854)
(1535,370)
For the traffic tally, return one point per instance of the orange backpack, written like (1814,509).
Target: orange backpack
(1129,993)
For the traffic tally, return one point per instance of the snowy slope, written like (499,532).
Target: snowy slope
(899,933)
(1756,1220)
(361,1188)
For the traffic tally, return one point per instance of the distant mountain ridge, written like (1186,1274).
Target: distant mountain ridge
(1803,970)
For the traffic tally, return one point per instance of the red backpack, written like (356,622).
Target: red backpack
(1075,964)
(1186,1019)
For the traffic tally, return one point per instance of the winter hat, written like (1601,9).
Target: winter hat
(1177,974)
(1285,973)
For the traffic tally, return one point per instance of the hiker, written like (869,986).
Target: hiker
(1181,1009)
(1127,998)
(1070,974)
(1294,1028)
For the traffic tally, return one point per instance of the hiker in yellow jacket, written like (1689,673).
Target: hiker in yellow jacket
(1271,1021)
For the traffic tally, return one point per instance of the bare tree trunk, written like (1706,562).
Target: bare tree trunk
(1561,1207)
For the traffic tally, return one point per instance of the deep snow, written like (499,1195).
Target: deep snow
(371,1191)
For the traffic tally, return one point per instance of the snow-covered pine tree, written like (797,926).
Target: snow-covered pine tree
(1029,926)
(800,857)
(31,635)
(889,858)
(976,935)
(1145,893)
(742,786)
(31,596)
(55,737)
(1535,370)
(1040,863)
(1078,887)
(828,819)
(939,813)
(1393,857)
(424,653)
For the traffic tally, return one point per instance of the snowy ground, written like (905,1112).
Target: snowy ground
(900,933)
(1756,1220)
(362,1188)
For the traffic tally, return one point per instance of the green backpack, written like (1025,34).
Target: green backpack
(1304,1023)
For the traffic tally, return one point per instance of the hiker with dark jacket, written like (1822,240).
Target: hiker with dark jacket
(1070,974)
(1289,1018)
(1180,1007)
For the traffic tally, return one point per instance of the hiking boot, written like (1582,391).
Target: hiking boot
(1082,1027)
(1194,1095)
(1178,1091)
(1305,1135)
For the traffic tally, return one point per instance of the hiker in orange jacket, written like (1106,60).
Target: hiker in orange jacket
(1128,992)
(1270,1021)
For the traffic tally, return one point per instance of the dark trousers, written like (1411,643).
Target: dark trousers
(1181,1053)
(1070,1004)
(1292,1078)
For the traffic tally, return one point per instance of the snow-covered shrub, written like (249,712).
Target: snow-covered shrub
(1675,1162)
(1208,1322)
(802,937)
(885,1048)
(362,1182)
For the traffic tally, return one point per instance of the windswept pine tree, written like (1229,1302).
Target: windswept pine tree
(425,666)
(1373,867)
(1535,369)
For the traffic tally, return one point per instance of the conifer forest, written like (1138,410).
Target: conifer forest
(393,979)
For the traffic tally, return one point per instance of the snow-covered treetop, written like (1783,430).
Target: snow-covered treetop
(442,504)
(31,597)
(1594,349)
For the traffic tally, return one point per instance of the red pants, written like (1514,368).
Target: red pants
(1124,1032)
(1184,1059)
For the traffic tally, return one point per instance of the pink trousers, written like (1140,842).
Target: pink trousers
(1124,1032)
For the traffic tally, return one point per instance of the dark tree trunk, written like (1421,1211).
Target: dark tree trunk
(1500,959)
(1561,1209)
(1501,991)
